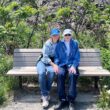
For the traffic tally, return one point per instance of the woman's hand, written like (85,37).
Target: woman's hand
(72,70)
(55,67)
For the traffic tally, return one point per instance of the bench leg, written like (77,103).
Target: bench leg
(20,82)
(96,80)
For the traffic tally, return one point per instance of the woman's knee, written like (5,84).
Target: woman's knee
(51,75)
(41,68)
(73,75)
(61,75)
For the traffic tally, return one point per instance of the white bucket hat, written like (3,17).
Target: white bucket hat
(67,31)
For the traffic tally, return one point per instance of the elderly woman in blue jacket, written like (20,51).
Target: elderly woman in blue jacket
(67,57)
(46,67)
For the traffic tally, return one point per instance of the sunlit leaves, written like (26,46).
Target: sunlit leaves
(64,12)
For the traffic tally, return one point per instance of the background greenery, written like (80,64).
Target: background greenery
(26,24)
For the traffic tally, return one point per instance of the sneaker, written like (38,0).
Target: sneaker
(71,106)
(61,105)
(45,102)
(48,98)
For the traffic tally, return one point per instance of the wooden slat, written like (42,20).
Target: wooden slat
(38,53)
(89,54)
(24,64)
(90,64)
(39,50)
(94,59)
(27,54)
(34,58)
(27,50)
(84,71)
(25,59)
(34,63)
(89,50)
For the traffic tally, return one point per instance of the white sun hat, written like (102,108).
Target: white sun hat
(67,31)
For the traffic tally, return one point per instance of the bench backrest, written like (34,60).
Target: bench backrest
(28,57)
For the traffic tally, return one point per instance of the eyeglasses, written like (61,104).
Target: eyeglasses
(67,34)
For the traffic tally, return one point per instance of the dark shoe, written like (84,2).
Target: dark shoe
(71,106)
(61,105)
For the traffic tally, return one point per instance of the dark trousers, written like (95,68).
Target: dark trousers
(72,81)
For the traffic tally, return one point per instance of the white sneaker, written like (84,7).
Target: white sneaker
(48,98)
(45,102)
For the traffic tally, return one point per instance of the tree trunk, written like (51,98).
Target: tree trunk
(30,37)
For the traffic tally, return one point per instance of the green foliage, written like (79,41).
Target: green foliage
(86,40)
(25,11)
(2,32)
(6,83)
(5,64)
(105,56)
(12,6)
(84,17)
(23,31)
(14,30)
(3,13)
(104,100)
(64,12)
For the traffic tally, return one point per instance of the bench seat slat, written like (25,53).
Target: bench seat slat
(25,50)
(39,50)
(84,71)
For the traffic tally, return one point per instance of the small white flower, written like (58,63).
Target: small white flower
(108,91)
(105,86)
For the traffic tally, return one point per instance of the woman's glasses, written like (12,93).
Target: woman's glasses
(67,34)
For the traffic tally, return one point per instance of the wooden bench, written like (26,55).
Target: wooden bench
(25,63)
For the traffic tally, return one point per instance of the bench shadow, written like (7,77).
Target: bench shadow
(32,95)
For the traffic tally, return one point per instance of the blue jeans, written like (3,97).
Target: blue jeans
(72,81)
(46,76)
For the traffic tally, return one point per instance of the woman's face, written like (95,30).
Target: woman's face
(55,38)
(67,37)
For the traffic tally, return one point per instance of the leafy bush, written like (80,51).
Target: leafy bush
(105,56)
(5,64)
(86,40)
(65,12)
(6,83)
(104,99)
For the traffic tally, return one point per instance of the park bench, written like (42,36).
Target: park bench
(25,63)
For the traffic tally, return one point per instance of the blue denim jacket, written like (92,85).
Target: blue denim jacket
(61,57)
(48,51)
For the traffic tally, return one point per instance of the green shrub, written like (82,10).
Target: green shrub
(104,99)
(5,64)
(105,57)
(86,40)
(6,83)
